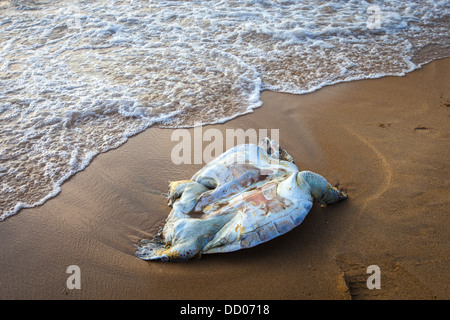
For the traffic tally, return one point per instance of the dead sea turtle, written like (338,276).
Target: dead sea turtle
(246,196)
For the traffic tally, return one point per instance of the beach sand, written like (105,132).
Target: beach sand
(387,142)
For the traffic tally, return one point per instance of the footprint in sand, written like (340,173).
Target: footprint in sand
(394,278)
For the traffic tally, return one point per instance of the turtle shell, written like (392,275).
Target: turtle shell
(256,192)
(260,214)
(242,198)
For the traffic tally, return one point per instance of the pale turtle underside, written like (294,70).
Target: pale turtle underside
(246,196)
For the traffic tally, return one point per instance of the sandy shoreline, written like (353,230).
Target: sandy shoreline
(387,141)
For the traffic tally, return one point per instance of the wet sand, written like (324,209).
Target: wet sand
(386,141)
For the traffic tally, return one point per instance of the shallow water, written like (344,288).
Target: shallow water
(79,77)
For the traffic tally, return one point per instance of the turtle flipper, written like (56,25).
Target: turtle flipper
(176,189)
(151,251)
(161,252)
(284,155)
(271,148)
(275,151)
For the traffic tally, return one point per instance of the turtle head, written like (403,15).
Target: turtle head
(332,195)
(321,190)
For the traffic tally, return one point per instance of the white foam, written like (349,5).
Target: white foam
(80,77)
